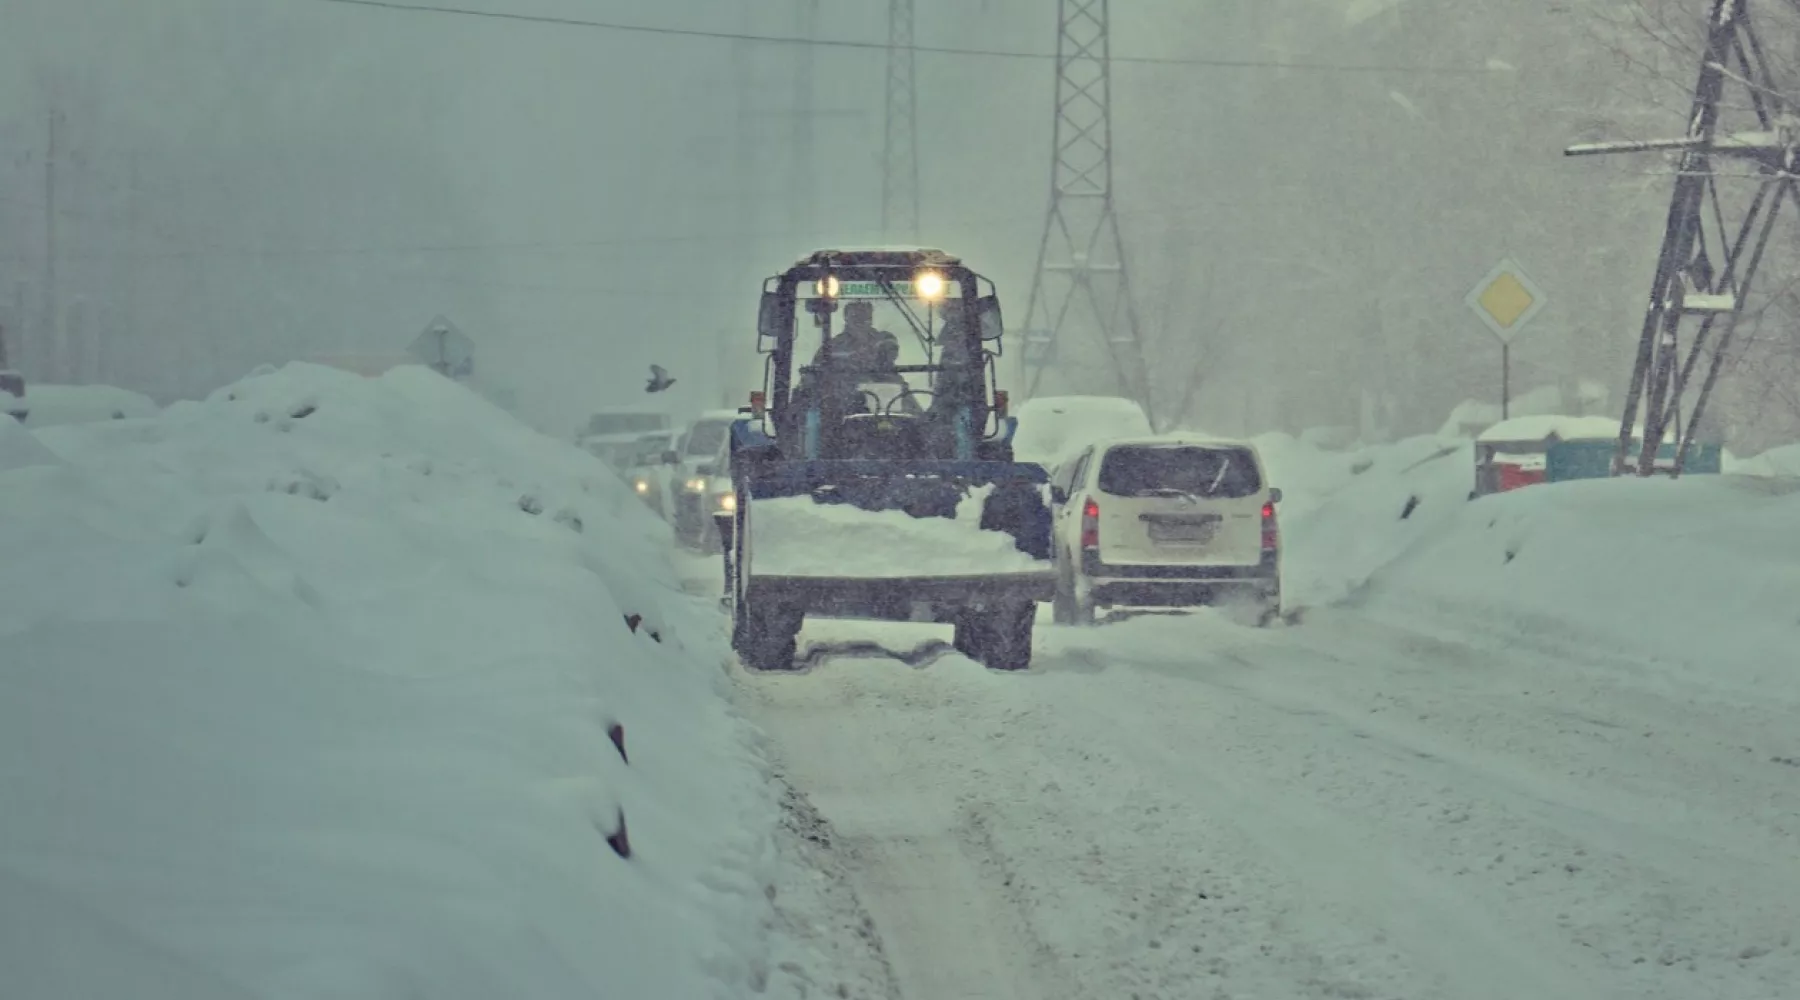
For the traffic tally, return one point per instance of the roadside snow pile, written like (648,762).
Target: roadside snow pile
(306,692)
(1782,461)
(1345,515)
(55,405)
(19,448)
(1703,570)
(1394,532)
(794,536)
(1053,428)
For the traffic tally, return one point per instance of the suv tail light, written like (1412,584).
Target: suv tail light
(1271,531)
(1090,525)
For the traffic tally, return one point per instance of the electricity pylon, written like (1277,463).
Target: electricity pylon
(1712,243)
(1082,283)
(804,135)
(900,148)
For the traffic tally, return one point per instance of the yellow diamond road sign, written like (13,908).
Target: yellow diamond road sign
(1506,300)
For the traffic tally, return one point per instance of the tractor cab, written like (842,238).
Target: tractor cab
(882,355)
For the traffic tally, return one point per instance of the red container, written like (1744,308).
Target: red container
(1513,477)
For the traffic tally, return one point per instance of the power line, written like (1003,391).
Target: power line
(942,50)
(570,248)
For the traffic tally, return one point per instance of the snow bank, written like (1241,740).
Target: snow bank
(1701,571)
(19,448)
(1345,516)
(795,536)
(1782,461)
(1543,426)
(1471,417)
(1052,428)
(54,405)
(306,691)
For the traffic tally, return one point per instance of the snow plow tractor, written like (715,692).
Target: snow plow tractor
(873,472)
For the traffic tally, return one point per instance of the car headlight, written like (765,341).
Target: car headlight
(642,486)
(728,502)
(696,485)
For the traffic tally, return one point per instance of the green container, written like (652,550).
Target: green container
(1568,460)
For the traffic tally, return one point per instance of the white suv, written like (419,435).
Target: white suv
(1165,522)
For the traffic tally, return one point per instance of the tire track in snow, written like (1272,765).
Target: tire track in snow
(1664,902)
(1349,873)
(944,928)
(1093,902)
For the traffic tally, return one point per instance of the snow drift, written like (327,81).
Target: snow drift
(306,691)
(55,405)
(1347,514)
(1700,571)
(1053,428)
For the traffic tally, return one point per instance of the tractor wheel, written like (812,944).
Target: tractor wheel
(1078,607)
(1005,636)
(1062,606)
(768,637)
(966,639)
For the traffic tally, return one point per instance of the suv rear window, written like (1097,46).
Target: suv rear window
(1180,470)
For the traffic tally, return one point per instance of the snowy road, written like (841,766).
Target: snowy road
(1184,807)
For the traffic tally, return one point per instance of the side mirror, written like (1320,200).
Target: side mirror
(993,325)
(671,457)
(1274,494)
(1058,495)
(768,316)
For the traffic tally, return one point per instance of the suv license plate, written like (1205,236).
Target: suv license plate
(1188,534)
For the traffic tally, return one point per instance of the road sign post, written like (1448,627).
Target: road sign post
(1506,301)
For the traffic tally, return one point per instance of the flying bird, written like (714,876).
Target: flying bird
(659,379)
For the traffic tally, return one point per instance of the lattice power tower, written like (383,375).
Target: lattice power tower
(1082,284)
(1712,242)
(900,146)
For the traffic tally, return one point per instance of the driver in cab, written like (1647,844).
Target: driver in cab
(866,354)
(859,347)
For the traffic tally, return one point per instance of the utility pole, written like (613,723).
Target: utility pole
(900,148)
(1081,280)
(1712,243)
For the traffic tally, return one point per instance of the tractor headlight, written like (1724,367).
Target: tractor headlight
(728,502)
(642,486)
(929,285)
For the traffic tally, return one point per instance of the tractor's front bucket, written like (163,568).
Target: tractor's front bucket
(906,541)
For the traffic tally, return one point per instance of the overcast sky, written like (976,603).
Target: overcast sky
(257,180)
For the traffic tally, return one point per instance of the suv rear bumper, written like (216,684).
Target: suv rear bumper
(1177,586)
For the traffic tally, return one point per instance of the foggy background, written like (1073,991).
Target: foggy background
(246,181)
